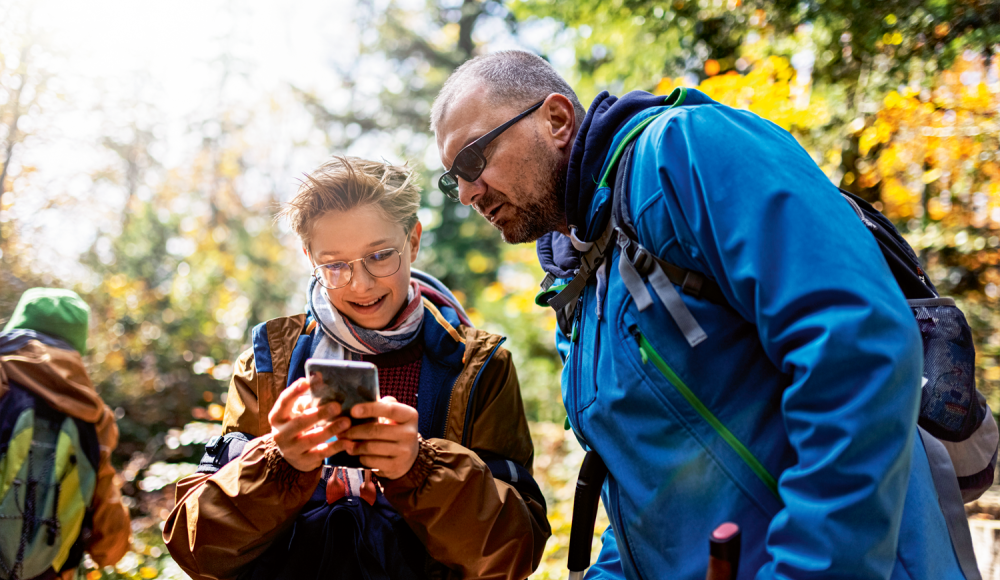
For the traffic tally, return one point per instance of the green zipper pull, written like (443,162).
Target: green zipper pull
(566,425)
(634,331)
(575,334)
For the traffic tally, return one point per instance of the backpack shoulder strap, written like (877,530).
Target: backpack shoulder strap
(635,264)
(634,256)
(691,282)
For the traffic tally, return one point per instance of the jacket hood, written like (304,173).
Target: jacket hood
(607,117)
(55,374)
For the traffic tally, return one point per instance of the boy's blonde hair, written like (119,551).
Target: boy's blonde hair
(344,183)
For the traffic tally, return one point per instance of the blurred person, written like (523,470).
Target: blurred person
(453,496)
(786,402)
(59,494)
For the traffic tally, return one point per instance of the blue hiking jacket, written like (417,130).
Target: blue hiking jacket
(812,373)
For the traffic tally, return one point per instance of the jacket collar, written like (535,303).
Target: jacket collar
(586,203)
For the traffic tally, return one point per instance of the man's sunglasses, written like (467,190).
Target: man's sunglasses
(470,161)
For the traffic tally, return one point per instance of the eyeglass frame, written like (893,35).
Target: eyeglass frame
(350,265)
(477,148)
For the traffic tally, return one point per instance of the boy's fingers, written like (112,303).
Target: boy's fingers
(309,418)
(309,442)
(333,429)
(286,401)
(328,448)
(375,431)
(389,409)
(375,448)
(324,450)
(369,410)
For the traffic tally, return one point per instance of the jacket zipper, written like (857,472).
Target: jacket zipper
(472,393)
(620,537)
(648,353)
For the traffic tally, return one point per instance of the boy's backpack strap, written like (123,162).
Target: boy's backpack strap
(513,474)
(263,354)
(222,449)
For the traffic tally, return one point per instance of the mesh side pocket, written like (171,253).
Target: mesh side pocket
(949,408)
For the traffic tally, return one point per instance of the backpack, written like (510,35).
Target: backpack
(48,474)
(954,420)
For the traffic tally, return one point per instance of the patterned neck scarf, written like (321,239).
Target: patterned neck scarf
(340,334)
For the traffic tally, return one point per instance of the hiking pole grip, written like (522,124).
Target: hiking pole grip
(724,553)
(588,493)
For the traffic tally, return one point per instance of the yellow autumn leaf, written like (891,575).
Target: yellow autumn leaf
(931,176)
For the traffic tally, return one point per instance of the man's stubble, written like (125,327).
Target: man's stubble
(537,212)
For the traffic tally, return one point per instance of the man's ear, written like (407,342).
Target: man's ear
(559,118)
(415,234)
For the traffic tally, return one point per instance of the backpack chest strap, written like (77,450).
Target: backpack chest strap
(590,261)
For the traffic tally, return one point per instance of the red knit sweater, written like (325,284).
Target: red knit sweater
(399,372)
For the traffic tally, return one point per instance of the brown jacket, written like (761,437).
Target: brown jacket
(477,526)
(59,377)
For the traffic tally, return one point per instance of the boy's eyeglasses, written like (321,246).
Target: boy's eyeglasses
(470,161)
(379,264)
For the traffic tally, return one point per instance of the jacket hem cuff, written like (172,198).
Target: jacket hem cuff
(426,457)
(276,467)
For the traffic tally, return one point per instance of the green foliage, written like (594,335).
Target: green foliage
(508,307)
(896,100)
(419,46)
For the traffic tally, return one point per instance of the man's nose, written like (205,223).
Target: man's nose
(469,192)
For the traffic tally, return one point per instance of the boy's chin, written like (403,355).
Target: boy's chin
(370,323)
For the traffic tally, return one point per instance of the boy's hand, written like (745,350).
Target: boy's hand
(302,430)
(389,444)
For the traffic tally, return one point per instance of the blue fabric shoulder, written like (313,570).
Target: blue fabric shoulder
(261,349)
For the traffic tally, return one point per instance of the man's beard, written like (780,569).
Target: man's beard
(534,217)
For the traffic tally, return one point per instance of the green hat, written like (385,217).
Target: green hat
(53,311)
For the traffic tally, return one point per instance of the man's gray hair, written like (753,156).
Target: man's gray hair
(513,78)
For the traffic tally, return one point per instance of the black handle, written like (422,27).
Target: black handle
(724,553)
(588,493)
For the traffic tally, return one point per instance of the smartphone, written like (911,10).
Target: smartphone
(344,381)
(348,383)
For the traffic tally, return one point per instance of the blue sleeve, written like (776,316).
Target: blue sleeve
(749,207)
(608,565)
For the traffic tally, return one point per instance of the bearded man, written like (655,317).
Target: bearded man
(785,402)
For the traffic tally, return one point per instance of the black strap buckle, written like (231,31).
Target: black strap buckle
(692,283)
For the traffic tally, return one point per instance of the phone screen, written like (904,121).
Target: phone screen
(346,382)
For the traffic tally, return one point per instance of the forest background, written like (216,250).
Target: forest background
(145,149)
